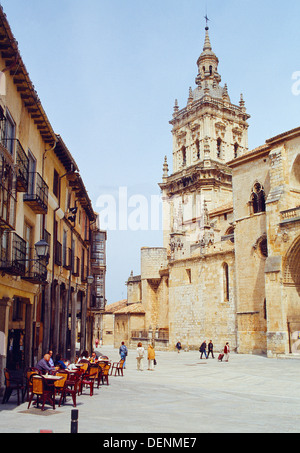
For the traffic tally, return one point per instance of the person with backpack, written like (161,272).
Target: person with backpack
(123,351)
(202,349)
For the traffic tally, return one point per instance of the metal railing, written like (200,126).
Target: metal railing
(12,254)
(36,272)
(7,208)
(23,168)
(37,195)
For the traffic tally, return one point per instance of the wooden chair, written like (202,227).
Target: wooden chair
(89,378)
(84,366)
(30,371)
(13,383)
(42,392)
(71,387)
(59,385)
(118,367)
(105,373)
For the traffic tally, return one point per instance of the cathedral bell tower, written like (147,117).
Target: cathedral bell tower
(207,133)
(210,127)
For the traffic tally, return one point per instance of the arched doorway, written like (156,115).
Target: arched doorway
(291,281)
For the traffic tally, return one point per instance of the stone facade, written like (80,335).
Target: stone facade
(229,266)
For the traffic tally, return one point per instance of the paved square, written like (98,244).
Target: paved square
(249,394)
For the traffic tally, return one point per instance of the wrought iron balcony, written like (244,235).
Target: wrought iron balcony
(37,195)
(36,271)
(97,303)
(7,192)
(22,168)
(7,209)
(12,254)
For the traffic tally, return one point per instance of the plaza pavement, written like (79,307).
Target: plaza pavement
(249,394)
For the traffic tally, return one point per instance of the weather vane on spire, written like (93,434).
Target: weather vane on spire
(207,19)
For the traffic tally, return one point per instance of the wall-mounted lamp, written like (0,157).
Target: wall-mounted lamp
(42,249)
(90,280)
(72,215)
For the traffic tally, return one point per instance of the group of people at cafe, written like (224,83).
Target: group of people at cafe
(47,364)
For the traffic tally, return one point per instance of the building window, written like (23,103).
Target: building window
(258,201)
(10,133)
(183,156)
(55,183)
(236,149)
(31,171)
(198,149)
(189,275)
(17,314)
(263,247)
(225,282)
(219,148)
(65,237)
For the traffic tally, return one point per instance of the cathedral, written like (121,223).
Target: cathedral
(229,269)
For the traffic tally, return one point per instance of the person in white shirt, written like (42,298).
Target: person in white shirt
(140,357)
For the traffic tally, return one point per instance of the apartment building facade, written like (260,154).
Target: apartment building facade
(45,293)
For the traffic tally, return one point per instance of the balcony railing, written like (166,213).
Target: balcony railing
(161,335)
(36,272)
(7,192)
(22,169)
(7,209)
(97,303)
(37,195)
(12,254)
(290,215)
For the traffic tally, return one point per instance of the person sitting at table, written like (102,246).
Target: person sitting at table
(58,362)
(94,358)
(84,357)
(43,365)
(51,359)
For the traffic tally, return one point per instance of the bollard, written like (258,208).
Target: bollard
(74,421)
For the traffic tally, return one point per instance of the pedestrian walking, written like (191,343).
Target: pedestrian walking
(96,343)
(178,347)
(210,349)
(123,351)
(202,349)
(226,352)
(151,357)
(140,357)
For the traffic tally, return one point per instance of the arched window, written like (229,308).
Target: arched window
(210,70)
(225,282)
(236,149)
(219,147)
(258,200)
(183,156)
(198,149)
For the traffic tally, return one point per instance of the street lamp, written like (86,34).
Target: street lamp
(42,249)
(90,279)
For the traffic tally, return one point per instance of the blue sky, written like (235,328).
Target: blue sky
(108,71)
